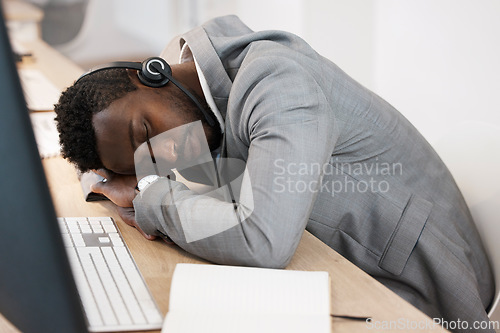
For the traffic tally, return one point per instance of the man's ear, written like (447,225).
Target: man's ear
(132,74)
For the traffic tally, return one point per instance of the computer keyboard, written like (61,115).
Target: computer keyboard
(113,292)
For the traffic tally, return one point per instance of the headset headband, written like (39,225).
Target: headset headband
(153,72)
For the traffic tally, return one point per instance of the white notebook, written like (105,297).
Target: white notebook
(228,299)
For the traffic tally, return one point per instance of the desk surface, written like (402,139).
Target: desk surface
(353,292)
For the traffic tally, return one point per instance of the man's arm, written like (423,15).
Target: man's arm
(288,127)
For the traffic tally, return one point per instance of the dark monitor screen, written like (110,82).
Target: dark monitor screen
(37,290)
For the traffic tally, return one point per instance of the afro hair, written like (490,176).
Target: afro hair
(76,107)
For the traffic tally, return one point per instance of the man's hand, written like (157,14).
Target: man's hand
(120,189)
(128,216)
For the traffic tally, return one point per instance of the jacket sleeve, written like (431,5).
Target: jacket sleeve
(285,121)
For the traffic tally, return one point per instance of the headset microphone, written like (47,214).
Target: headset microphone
(153,72)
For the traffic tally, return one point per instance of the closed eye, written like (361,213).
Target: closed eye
(146,133)
(149,144)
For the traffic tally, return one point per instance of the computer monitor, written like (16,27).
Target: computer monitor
(37,290)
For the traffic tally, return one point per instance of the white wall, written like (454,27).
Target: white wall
(437,61)
(257,14)
(342,30)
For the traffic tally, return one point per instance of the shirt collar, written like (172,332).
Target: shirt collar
(185,56)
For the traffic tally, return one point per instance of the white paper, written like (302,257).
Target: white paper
(212,298)
(46,134)
(40,93)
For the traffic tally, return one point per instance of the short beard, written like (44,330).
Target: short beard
(192,113)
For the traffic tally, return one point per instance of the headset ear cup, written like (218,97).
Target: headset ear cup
(151,77)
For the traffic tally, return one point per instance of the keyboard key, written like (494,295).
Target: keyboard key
(86,229)
(97,229)
(109,228)
(67,240)
(104,240)
(78,240)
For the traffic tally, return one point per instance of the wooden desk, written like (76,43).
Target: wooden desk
(353,292)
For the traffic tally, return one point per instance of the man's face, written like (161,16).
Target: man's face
(141,115)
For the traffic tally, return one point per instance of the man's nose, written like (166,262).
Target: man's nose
(165,155)
(156,157)
(165,151)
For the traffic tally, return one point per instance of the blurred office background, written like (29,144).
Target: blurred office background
(437,61)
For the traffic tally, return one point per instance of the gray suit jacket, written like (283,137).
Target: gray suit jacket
(325,154)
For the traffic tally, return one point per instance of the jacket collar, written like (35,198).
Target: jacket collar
(217,78)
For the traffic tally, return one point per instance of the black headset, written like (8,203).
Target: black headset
(153,72)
